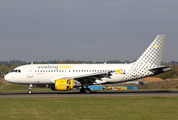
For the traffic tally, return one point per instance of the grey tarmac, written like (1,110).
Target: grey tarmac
(92,94)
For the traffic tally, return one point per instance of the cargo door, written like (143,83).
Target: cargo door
(30,71)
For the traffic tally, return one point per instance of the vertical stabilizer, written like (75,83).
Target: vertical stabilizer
(153,54)
(149,60)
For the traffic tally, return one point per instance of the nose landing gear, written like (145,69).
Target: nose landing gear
(30,89)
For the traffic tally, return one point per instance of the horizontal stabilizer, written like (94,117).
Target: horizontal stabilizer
(160,69)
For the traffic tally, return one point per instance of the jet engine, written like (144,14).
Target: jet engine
(63,85)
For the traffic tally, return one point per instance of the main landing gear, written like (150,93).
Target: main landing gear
(85,90)
(30,89)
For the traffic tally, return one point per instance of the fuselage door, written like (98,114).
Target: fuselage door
(29,72)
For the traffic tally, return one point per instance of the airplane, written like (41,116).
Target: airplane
(63,77)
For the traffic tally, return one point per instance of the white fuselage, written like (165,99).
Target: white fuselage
(48,73)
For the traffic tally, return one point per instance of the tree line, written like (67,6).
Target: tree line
(12,62)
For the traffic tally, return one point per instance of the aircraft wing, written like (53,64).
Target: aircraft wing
(96,75)
(90,78)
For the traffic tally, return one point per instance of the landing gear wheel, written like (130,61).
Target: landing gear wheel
(82,90)
(30,89)
(29,92)
(87,90)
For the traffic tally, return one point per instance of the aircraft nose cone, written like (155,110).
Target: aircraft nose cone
(10,78)
(7,78)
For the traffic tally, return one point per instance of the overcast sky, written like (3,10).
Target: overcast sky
(97,30)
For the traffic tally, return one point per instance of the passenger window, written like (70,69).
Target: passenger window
(62,70)
(69,70)
(84,70)
(19,71)
(73,70)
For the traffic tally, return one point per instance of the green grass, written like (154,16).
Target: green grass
(5,87)
(10,87)
(87,108)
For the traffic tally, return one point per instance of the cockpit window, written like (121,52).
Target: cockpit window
(16,71)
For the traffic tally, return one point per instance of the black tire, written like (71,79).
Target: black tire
(87,90)
(82,90)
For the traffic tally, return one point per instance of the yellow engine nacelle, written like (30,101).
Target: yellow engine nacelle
(63,85)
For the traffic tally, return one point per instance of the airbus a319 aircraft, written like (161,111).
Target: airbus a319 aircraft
(63,77)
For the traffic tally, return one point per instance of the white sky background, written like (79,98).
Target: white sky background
(97,30)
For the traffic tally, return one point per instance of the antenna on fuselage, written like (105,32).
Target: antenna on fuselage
(31,63)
